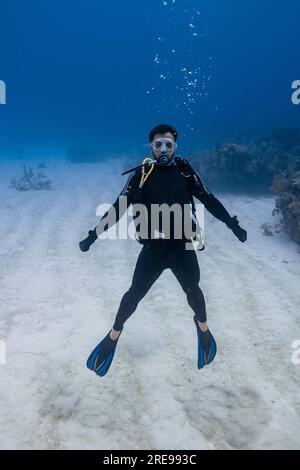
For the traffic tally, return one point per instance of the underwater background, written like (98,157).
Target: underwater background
(104,73)
(85,82)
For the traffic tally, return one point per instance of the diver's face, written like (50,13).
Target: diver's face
(163,144)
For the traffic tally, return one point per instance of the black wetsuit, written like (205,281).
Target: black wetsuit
(166,184)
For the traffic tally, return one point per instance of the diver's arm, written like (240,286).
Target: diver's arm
(114,213)
(211,203)
(216,208)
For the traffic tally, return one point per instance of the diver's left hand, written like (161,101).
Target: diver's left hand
(238,231)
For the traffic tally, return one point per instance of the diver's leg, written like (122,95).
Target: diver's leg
(186,269)
(149,267)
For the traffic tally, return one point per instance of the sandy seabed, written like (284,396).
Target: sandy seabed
(57,303)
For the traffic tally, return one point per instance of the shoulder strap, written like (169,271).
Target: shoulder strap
(192,176)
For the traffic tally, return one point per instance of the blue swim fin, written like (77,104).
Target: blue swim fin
(207,348)
(102,356)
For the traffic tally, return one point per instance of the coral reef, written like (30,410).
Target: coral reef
(249,165)
(269,164)
(270,229)
(287,185)
(29,180)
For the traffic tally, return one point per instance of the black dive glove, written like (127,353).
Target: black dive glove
(85,244)
(238,231)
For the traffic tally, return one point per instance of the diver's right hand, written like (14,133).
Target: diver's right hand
(85,244)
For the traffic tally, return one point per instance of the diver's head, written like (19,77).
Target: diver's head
(163,143)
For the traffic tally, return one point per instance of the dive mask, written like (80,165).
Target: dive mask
(165,146)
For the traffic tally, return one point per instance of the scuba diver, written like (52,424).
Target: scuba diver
(162,179)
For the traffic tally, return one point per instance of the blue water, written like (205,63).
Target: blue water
(104,73)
